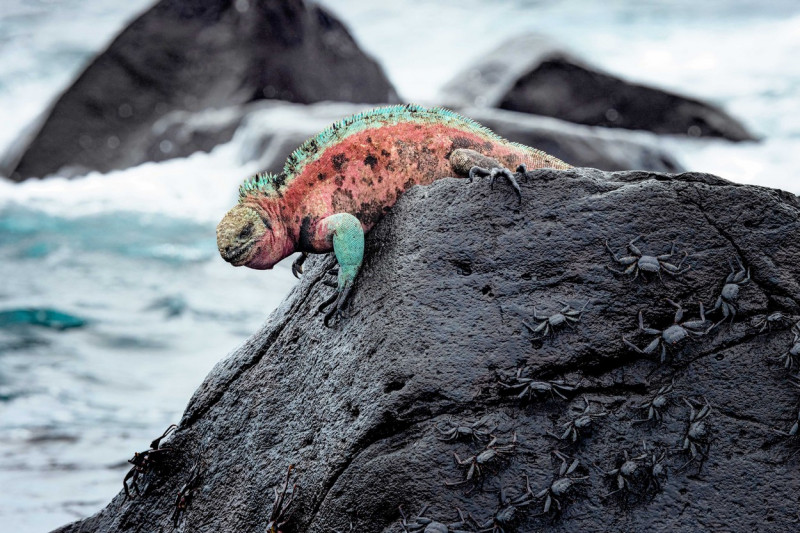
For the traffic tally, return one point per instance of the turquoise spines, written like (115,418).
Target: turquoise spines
(269,184)
(262,183)
(374,118)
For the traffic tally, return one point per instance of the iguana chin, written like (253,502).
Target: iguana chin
(338,184)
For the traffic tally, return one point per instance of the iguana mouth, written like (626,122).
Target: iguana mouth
(240,255)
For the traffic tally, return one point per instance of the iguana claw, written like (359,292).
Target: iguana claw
(297,266)
(495,173)
(339,299)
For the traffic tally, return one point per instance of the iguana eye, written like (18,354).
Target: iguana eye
(246,231)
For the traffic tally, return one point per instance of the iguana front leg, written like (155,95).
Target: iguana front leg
(345,233)
(470,163)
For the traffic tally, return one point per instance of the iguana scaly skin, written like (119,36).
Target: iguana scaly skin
(337,185)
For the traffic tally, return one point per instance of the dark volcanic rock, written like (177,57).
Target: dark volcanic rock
(437,321)
(544,79)
(192,55)
(581,146)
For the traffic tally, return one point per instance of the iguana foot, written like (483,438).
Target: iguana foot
(339,301)
(297,266)
(496,173)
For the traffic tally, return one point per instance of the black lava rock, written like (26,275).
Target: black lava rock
(581,146)
(440,335)
(192,55)
(532,74)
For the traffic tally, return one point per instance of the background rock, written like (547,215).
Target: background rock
(533,74)
(582,146)
(191,55)
(436,322)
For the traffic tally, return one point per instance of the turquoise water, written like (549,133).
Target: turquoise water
(129,257)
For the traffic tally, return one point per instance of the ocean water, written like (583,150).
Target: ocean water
(106,281)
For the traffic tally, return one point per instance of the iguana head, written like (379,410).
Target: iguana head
(247,236)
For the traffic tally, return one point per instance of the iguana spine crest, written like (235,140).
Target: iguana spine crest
(268,184)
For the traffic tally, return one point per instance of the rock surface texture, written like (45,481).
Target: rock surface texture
(191,55)
(548,80)
(437,326)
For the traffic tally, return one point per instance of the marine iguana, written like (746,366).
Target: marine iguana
(338,184)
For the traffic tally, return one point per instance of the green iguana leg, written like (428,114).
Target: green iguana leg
(471,163)
(347,235)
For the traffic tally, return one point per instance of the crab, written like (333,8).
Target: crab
(278,515)
(792,435)
(143,461)
(791,356)
(656,404)
(561,485)
(626,472)
(185,495)
(695,439)
(530,387)
(730,291)
(795,429)
(672,335)
(765,323)
(639,262)
(470,432)
(549,324)
(579,425)
(488,455)
(506,512)
(795,426)
(426,525)
(656,471)
(638,476)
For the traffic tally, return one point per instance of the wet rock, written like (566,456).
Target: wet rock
(188,56)
(437,325)
(533,74)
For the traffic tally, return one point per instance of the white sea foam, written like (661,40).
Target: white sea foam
(200,187)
